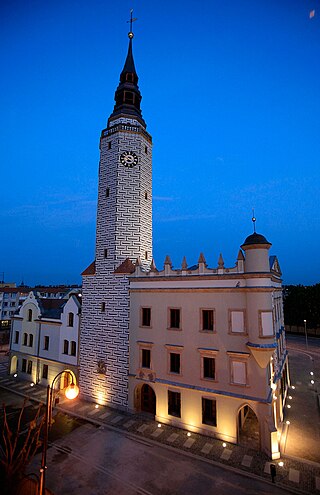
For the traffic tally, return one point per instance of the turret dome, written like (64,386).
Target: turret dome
(255,238)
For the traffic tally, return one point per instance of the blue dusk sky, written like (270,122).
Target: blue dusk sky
(231,96)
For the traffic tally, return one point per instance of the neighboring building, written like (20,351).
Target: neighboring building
(207,346)
(45,338)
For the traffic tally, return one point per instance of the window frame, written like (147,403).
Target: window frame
(209,422)
(245,326)
(178,328)
(211,354)
(261,335)
(25,339)
(65,347)
(174,394)
(16,337)
(243,358)
(70,319)
(46,342)
(45,371)
(29,317)
(174,349)
(73,348)
(30,340)
(206,330)
(142,308)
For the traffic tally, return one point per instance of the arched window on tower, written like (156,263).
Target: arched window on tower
(70,319)
(29,314)
(129,77)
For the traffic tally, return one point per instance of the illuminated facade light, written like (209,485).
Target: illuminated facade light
(311,373)
(188,434)
(224,445)
(96,406)
(31,384)
(290,397)
(288,406)
(281,463)
(15,375)
(293,387)
(287,422)
(312,382)
(159,425)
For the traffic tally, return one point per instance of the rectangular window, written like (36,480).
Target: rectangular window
(174,404)
(209,368)
(209,413)
(25,339)
(109,145)
(174,318)
(107,192)
(65,347)
(16,337)
(29,314)
(266,324)
(73,348)
(238,373)
(207,320)
(145,358)
(105,253)
(237,322)
(46,343)
(103,307)
(29,369)
(24,365)
(45,371)
(174,362)
(145,317)
(30,340)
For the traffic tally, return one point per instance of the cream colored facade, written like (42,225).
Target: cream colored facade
(207,347)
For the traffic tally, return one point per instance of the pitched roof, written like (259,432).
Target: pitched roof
(90,270)
(51,308)
(126,267)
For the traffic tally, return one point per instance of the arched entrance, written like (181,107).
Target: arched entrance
(248,428)
(14,365)
(148,399)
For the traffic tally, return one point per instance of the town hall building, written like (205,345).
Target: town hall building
(196,347)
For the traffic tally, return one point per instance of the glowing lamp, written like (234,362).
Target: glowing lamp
(281,463)
(31,384)
(293,387)
(159,425)
(312,382)
(15,375)
(287,422)
(188,434)
(311,373)
(72,391)
(96,406)
(224,445)
(288,406)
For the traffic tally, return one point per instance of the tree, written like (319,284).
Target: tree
(19,443)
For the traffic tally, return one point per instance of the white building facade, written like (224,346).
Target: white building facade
(45,339)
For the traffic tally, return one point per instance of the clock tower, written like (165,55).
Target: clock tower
(123,235)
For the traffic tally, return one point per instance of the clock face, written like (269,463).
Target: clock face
(128,159)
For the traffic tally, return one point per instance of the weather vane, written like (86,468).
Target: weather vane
(253,221)
(132,19)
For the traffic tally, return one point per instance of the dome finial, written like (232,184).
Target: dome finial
(253,221)
(130,34)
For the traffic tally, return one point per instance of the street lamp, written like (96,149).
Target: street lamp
(71,392)
(305,332)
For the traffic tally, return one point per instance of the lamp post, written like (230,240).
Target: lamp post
(71,392)
(305,332)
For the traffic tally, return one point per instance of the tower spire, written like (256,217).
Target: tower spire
(127,95)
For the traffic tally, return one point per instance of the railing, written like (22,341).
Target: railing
(126,128)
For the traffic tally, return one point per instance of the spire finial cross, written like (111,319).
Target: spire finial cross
(131,20)
(253,221)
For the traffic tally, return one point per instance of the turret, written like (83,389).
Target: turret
(256,248)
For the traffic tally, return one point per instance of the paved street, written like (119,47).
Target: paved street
(96,461)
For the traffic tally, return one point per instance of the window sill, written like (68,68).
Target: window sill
(175,329)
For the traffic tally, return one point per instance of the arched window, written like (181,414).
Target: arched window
(29,314)
(73,348)
(65,347)
(30,340)
(70,319)
(25,339)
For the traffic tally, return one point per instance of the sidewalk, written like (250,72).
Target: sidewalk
(297,475)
